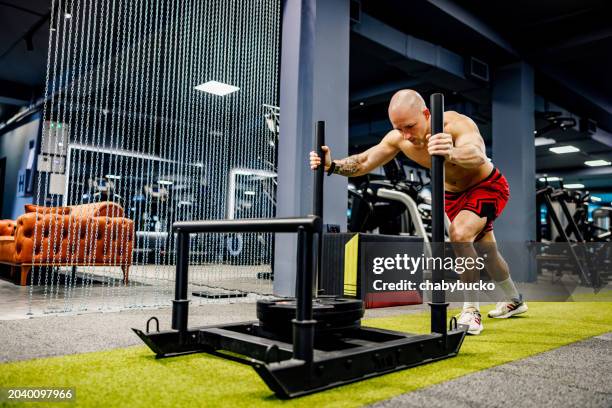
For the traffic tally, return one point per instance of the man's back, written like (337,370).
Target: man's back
(457,178)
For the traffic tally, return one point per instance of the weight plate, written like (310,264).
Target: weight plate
(331,314)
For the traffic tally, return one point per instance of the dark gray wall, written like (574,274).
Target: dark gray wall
(13,146)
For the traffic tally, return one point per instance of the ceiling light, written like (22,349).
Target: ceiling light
(67,15)
(112,176)
(597,163)
(574,185)
(553,178)
(165,182)
(217,88)
(248,192)
(564,149)
(543,141)
(596,199)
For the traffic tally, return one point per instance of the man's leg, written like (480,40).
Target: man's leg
(494,262)
(498,269)
(463,231)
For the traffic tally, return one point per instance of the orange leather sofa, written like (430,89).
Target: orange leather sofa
(94,234)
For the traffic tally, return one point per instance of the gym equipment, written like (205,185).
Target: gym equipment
(312,361)
(601,223)
(216,293)
(577,254)
(156,195)
(590,231)
(103,189)
(346,259)
(393,206)
(388,206)
(574,205)
(332,315)
(149,211)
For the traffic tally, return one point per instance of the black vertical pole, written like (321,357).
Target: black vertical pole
(180,304)
(320,172)
(303,324)
(438,304)
(317,205)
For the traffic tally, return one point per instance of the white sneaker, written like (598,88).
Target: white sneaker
(472,319)
(503,310)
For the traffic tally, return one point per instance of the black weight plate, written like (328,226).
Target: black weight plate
(331,314)
(323,308)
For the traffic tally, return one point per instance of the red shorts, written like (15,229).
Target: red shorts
(487,198)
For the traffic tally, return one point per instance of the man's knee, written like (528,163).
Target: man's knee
(460,233)
(489,251)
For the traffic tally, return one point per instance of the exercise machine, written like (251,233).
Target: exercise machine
(602,225)
(102,189)
(586,258)
(387,206)
(393,206)
(303,345)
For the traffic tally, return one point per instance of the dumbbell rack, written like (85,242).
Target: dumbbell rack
(309,363)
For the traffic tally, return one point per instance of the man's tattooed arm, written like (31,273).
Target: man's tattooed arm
(365,162)
(348,167)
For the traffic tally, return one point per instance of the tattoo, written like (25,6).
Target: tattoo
(347,167)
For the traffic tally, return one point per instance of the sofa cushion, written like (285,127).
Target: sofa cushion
(7,228)
(7,249)
(101,209)
(30,208)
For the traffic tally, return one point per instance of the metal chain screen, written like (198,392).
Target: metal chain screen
(156,111)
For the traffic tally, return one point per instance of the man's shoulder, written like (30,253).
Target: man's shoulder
(455,121)
(393,137)
(453,117)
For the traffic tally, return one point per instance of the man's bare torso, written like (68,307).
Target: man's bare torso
(456,178)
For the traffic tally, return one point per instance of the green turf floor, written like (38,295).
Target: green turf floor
(132,377)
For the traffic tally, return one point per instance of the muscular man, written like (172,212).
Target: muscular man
(476,192)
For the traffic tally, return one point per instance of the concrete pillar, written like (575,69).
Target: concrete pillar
(514,154)
(331,97)
(314,86)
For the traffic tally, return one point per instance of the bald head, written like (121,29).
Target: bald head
(409,115)
(406,98)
